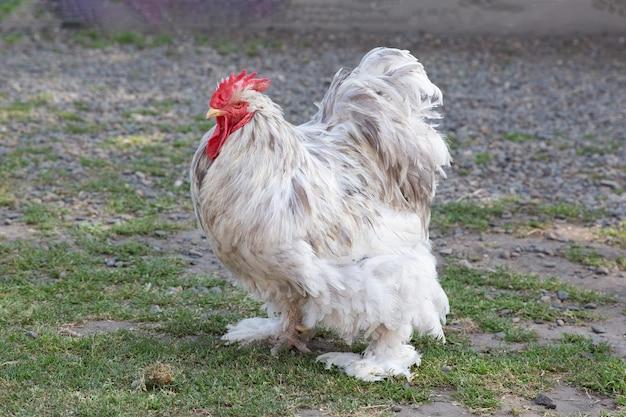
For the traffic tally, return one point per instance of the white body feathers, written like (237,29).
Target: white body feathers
(327,222)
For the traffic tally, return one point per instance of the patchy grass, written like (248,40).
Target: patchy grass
(251,47)
(148,225)
(7,197)
(130,141)
(98,39)
(479,216)
(46,286)
(611,146)
(25,110)
(7,7)
(471,215)
(482,158)
(615,235)
(12,38)
(225,46)
(69,116)
(519,137)
(590,257)
(567,211)
(492,299)
(82,128)
(43,216)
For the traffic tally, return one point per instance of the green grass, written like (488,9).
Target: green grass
(44,287)
(7,7)
(144,226)
(479,216)
(590,257)
(43,216)
(609,147)
(24,110)
(11,38)
(98,39)
(567,211)
(615,235)
(82,128)
(482,158)
(120,195)
(69,116)
(7,197)
(470,215)
(492,299)
(519,137)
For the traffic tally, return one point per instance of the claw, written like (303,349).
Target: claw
(286,342)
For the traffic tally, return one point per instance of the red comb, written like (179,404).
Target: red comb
(227,86)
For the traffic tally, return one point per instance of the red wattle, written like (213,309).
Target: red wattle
(222,131)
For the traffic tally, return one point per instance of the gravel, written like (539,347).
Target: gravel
(563,95)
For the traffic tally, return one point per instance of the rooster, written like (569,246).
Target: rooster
(327,222)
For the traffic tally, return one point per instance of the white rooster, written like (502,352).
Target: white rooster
(327,222)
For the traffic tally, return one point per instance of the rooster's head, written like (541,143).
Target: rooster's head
(232,105)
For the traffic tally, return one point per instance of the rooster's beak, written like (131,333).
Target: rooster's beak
(213,113)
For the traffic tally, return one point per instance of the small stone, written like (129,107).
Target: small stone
(446,369)
(200,290)
(590,306)
(611,184)
(505,254)
(110,262)
(475,257)
(515,319)
(603,270)
(155,309)
(446,251)
(598,329)
(138,384)
(178,183)
(173,290)
(545,298)
(396,408)
(562,295)
(545,401)
(465,263)
(500,335)
(69,332)
(194,253)
(560,323)
(216,290)
(32,334)
(160,233)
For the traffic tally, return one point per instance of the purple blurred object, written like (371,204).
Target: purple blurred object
(163,13)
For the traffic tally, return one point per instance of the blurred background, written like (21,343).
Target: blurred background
(106,285)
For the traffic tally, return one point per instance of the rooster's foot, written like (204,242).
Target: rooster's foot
(290,340)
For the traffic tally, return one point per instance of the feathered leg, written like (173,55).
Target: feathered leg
(388,354)
(293,333)
(286,329)
(253,330)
